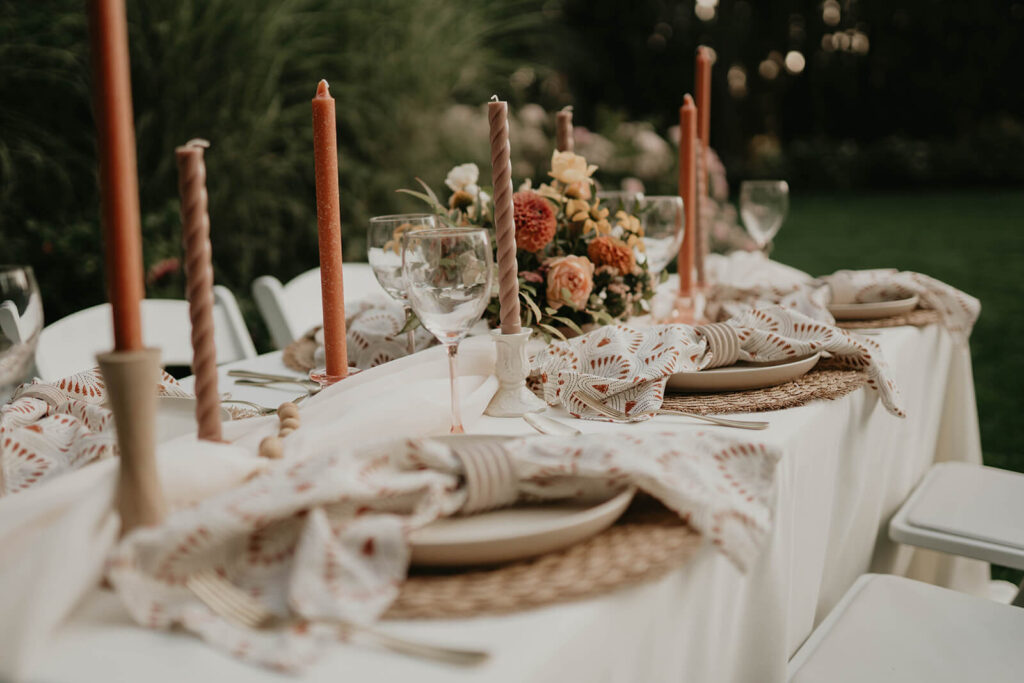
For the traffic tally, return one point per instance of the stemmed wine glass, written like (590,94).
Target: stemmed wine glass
(21,319)
(384,249)
(448,275)
(663,223)
(763,207)
(620,199)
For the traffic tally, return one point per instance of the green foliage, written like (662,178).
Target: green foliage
(242,75)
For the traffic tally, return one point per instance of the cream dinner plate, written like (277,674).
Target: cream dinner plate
(514,533)
(871,311)
(176,415)
(742,376)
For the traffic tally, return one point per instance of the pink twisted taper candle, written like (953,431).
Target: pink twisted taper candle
(195,221)
(564,140)
(504,222)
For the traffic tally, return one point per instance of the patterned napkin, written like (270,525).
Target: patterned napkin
(324,538)
(375,335)
(49,429)
(959,310)
(628,369)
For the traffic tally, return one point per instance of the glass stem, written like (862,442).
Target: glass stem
(411,334)
(453,374)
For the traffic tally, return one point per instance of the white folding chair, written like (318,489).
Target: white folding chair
(71,344)
(18,327)
(291,309)
(889,629)
(966,510)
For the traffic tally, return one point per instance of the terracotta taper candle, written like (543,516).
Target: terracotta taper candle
(195,234)
(564,140)
(702,88)
(119,185)
(688,191)
(702,84)
(504,222)
(328,216)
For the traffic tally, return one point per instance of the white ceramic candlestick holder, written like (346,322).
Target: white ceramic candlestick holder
(512,367)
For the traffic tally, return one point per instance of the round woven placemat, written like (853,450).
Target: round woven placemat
(645,543)
(919,317)
(299,354)
(827,380)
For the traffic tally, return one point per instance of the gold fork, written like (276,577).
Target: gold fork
(617,414)
(234,604)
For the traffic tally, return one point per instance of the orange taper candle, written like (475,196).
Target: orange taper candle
(504,217)
(688,191)
(702,85)
(195,236)
(328,218)
(702,88)
(119,188)
(564,141)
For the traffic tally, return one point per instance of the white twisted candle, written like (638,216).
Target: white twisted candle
(504,222)
(195,221)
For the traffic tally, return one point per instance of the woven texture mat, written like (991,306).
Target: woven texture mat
(647,541)
(919,317)
(826,381)
(299,354)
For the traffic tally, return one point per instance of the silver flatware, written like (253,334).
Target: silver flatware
(269,377)
(263,410)
(549,425)
(234,604)
(617,414)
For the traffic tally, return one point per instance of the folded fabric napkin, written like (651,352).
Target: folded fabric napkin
(375,334)
(323,539)
(959,310)
(628,369)
(49,429)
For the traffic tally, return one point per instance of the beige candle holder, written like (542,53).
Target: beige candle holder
(132,378)
(512,367)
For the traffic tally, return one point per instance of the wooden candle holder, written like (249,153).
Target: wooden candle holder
(131,378)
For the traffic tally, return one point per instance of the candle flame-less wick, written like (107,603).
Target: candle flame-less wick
(323,89)
(567,108)
(494,98)
(688,101)
(197,142)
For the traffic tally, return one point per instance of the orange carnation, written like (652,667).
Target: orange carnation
(613,252)
(535,220)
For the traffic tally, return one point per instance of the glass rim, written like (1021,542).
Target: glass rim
(446,231)
(14,268)
(764,182)
(672,197)
(398,216)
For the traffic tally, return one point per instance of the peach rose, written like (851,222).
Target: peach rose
(574,275)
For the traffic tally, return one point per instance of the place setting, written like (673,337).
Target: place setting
(569,399)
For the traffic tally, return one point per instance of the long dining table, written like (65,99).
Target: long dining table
(847,465)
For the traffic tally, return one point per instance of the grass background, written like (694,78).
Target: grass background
(972,240)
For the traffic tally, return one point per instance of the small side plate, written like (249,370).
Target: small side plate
(176,415)
(742,376)
(872,311)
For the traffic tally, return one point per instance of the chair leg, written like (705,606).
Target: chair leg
(1019,600)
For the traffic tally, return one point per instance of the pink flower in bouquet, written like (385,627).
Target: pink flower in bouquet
(572,278)
(535,220)
(531,276)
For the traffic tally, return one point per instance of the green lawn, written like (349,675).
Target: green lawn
(972,240)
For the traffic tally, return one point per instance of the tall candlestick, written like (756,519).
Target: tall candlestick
(119,191)
(195,234)
(564,140)
(505,226)
(688,191)
(328,217)
(702,86)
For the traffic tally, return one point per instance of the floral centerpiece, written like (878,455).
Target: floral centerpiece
(581,262)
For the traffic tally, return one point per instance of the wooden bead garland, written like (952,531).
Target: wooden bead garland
(272,447)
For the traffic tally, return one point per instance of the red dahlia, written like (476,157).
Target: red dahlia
(535,220)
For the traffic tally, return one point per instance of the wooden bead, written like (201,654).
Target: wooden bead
(272,448)
(287,409)
(290,423)
(285,431)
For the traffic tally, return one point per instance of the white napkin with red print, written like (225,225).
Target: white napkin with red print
(49,429)
(375,334)
(324,538)
(628,369)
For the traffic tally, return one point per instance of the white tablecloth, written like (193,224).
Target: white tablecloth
(847,466)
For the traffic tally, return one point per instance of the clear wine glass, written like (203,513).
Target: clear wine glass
(384,251)
(21,319)
(663,223)
(763,207)
(448,274)
(615,200)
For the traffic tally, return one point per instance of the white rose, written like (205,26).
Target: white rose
(463,177)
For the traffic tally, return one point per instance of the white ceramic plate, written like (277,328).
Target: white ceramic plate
(742,376)
(514,533)
(871,311)
(176,415)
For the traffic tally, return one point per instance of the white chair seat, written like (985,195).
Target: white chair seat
(966,510)
(888,629)
(70,345)
(290,310)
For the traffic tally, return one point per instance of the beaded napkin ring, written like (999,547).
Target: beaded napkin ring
(272,447)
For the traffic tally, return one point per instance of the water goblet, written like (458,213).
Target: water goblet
(384,251)
(620,200)
(663,223)
(448,275)
(21,319)
(763,207)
